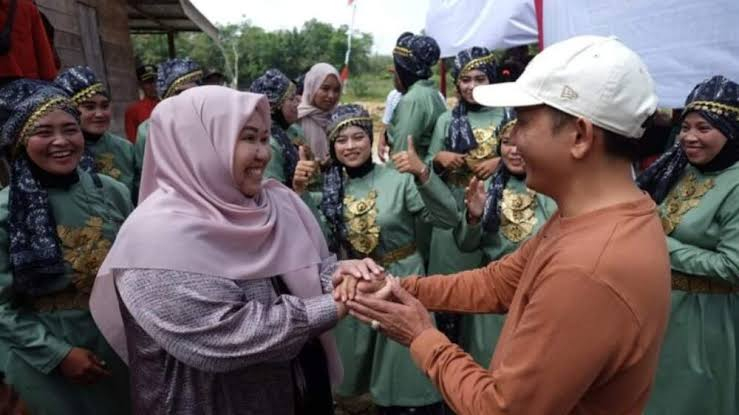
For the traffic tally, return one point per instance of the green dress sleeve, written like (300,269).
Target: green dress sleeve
(432,201)
(438,138)
(275,167)
(117,195)
(22,331)
(468,237)
(721,263)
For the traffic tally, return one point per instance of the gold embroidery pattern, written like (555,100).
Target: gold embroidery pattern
(684,197)
(105,164)
(194,76)
(360,216)
(84,249)
(40,112)
(487,144)
(518,216)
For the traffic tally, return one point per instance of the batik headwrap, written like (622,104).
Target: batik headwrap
(175,73)
(499,180)
(717,101)
(277,88)
(35,250)
(81,84)
(332,204)
(460,138)
(414,56)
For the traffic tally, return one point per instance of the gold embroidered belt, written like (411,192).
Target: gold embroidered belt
(70,299)
(395,255)
(692,284)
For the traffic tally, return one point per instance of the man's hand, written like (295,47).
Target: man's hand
(401,321)
(409,162)
(485,169)
(83,367)
(475,197)
(449,160)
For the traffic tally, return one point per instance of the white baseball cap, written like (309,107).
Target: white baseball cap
(594,77)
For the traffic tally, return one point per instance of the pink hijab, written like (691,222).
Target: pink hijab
(193,218)
(315,120)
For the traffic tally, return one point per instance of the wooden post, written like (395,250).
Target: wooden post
(170,45)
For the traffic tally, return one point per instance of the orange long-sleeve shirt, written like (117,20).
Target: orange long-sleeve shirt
(587,299)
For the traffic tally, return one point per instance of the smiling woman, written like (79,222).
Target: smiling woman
(219,285)
(57,223)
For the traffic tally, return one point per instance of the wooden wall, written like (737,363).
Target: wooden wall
(76,47)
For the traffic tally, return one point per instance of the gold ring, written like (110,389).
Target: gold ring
(375,325)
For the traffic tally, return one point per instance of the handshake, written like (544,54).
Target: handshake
(368,293)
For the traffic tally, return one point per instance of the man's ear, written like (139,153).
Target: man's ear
(584,138)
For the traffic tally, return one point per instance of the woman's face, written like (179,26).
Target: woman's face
(328,94)
(468,81)
(56,143)
(95,114)
(290,108)
(251,156)
(700,141)
(353,146)
(509,153)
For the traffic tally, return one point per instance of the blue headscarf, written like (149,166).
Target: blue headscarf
(175,72)
(81,83)
(460,138)
(499,180)
(278,87)
(332,204)
(717,101)
(36,257)
(414,56)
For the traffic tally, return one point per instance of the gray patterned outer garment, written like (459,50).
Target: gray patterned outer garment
(206,345)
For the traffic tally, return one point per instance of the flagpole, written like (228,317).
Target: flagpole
(345,70)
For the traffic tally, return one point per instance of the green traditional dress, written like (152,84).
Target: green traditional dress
(275,168)
(379,212)
(523,212)
(416,115)
(699,362)
(445,257)
(114,157)
(37,333)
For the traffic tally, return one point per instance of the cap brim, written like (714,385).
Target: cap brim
(507,94)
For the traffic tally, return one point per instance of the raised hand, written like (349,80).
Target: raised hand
(409,162)
(304,171)
(474,197)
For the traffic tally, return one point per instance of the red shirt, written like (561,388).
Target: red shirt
(137,113)
(30,54)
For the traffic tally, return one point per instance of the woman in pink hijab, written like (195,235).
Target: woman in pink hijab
(217,290)
(321,95)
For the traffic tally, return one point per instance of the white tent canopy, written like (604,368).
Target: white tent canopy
(682,41)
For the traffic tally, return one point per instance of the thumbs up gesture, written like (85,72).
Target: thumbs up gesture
(304,170)
(409,162)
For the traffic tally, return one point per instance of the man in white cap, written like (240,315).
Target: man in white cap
(587,297)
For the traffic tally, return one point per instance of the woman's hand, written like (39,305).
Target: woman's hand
(475,197)
(485,169)
(83,367)
(304,171)
(449,160)
(409,162)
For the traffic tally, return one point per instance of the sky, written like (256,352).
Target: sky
(384,19)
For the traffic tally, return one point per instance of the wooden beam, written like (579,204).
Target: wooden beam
(170,44)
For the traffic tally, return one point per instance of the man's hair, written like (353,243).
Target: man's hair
(615,144)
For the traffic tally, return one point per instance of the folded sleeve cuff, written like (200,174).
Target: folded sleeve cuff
(423,347)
